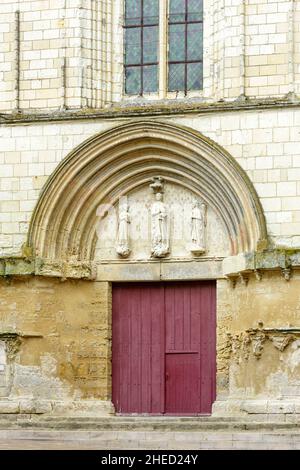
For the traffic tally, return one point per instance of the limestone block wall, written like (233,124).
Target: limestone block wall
(265,143)
(48,55)
(62,346)
(69,53)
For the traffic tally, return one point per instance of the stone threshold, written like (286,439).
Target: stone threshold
(144,424)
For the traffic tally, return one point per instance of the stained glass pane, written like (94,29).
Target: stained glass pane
(195,10)
(133,46)
(150,78)
(194,41)
(133,12)
(150,11)
(177,11)
(194,76)
(150,44)
(133,80)
(176,77)
(176,42)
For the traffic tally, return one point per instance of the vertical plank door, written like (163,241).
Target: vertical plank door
(138,348)
(190,347)
(164,348)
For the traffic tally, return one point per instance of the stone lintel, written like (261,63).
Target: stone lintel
(160,270)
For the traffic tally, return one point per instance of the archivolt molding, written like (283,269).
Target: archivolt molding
(111,164)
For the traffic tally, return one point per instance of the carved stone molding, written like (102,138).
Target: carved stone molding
(13,342)
(252,341)
(257,342)
(281,342)
(283,261)
(63,269)
(106,166)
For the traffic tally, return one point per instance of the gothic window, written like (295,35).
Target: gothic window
(163,46)
(141,46)
(185,45)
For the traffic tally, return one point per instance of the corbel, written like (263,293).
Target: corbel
(287,273)
(244,278)
(258,274)
(232,280)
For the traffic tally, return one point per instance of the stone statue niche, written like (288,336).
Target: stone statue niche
(122,246)
(159,221)
(198,229)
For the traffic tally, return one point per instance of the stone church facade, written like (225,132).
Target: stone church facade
(150,145)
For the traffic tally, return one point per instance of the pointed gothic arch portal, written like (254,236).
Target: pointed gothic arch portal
(125,158)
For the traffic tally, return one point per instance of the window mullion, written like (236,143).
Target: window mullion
(163,45)
(142,48)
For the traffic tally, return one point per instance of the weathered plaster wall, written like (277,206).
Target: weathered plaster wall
(259,337)
(63,351)
(64,336)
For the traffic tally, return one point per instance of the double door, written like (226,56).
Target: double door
(164,348)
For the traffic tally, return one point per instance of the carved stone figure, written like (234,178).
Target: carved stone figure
(198,228)
(159,227)
(122,247)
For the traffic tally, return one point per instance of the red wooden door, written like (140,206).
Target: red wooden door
(164,348)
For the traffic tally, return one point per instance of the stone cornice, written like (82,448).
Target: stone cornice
(148,109)
(234,267)
(240,266)
(21,266)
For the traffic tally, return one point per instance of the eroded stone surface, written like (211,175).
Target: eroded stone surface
(70,356)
